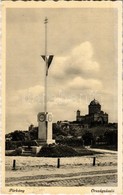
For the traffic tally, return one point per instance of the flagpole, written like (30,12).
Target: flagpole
(46,66)
(47,125)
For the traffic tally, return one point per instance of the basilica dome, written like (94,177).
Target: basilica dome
(94,102)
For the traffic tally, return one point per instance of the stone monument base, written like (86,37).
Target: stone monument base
(41,142)
(45,133)
(50,141)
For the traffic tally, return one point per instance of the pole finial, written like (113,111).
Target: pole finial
(46,20)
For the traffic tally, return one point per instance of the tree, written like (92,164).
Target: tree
(111,137)
(34,133)
(88,138)
(18,135)
(31,127)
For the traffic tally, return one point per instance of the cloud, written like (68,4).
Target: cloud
(57,68)
(79,62)
(75,73)
(22,108)
(80,83)
(73,81)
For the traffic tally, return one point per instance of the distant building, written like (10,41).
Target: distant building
(95,115)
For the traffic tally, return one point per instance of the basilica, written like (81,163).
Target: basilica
(95,114)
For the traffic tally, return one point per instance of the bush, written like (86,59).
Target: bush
(10,153)
(54,150)
(73,141)
(57,151)
(12,145)
(19,151)
(16,152)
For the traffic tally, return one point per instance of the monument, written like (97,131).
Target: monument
(45,118)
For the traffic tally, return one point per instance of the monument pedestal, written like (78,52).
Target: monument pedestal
(45,128)
(50,141)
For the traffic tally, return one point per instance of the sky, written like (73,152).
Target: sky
(84,44)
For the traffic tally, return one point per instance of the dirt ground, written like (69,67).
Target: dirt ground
(73,171)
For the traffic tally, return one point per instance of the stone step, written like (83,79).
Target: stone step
(41,142)
(27,153)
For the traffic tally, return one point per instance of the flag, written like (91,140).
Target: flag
(49,60)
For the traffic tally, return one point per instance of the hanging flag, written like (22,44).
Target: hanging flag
(49,60)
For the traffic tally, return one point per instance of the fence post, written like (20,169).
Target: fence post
(14,165)
(94,161)
(58,163)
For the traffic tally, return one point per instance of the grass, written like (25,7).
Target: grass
(106,147)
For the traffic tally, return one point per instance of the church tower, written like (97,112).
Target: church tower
(77,115)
